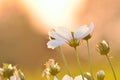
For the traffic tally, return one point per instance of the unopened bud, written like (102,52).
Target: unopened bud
(54,69)
(100,75)
(88,76)
(8,70)
(103,47)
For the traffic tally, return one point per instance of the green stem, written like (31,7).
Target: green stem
(111,67)
(78,61)
(64,60)
(89,60)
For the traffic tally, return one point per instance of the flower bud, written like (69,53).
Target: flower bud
(8,70)
(103,47)
(100,75)
(52,68)
(88,76)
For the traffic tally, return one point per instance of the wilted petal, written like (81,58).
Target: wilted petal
(55,43)
(64,33)
(79,78)
(83,31)
(67,77)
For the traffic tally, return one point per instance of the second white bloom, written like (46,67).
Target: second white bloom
(62,35)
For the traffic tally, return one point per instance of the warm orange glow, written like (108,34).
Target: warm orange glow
(52,12)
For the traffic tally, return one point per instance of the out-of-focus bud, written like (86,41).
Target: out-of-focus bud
(52,68)
(8,70)
(88,76)
(100,75)
(103,47)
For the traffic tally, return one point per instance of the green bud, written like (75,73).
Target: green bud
(54,70)
(8,70)
(88,76)
(100,75)
(103,47)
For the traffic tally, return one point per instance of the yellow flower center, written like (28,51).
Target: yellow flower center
(74,42)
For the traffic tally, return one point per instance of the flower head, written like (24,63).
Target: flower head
(67,77)
(100,75)
(52,68)
(103,47)
(11,72)
(88,76)
(62,35)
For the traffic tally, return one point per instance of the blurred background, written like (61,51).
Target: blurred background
(24,26)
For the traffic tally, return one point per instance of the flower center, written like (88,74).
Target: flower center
(74,42)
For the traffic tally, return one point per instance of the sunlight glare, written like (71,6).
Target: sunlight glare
(54,12)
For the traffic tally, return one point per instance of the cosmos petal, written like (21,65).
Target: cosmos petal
(55,43)
(79,78)
(83,31)
(67,77)
(64,33)
(53,34)
(80,32)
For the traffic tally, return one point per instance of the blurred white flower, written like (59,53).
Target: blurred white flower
(67,77)
(62,35)
(79,78)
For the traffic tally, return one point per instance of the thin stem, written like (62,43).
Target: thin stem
(111,67)
(78,61)
(64,60)
(89,59)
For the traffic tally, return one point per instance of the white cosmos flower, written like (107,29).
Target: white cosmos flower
(67,77)
(62,35)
